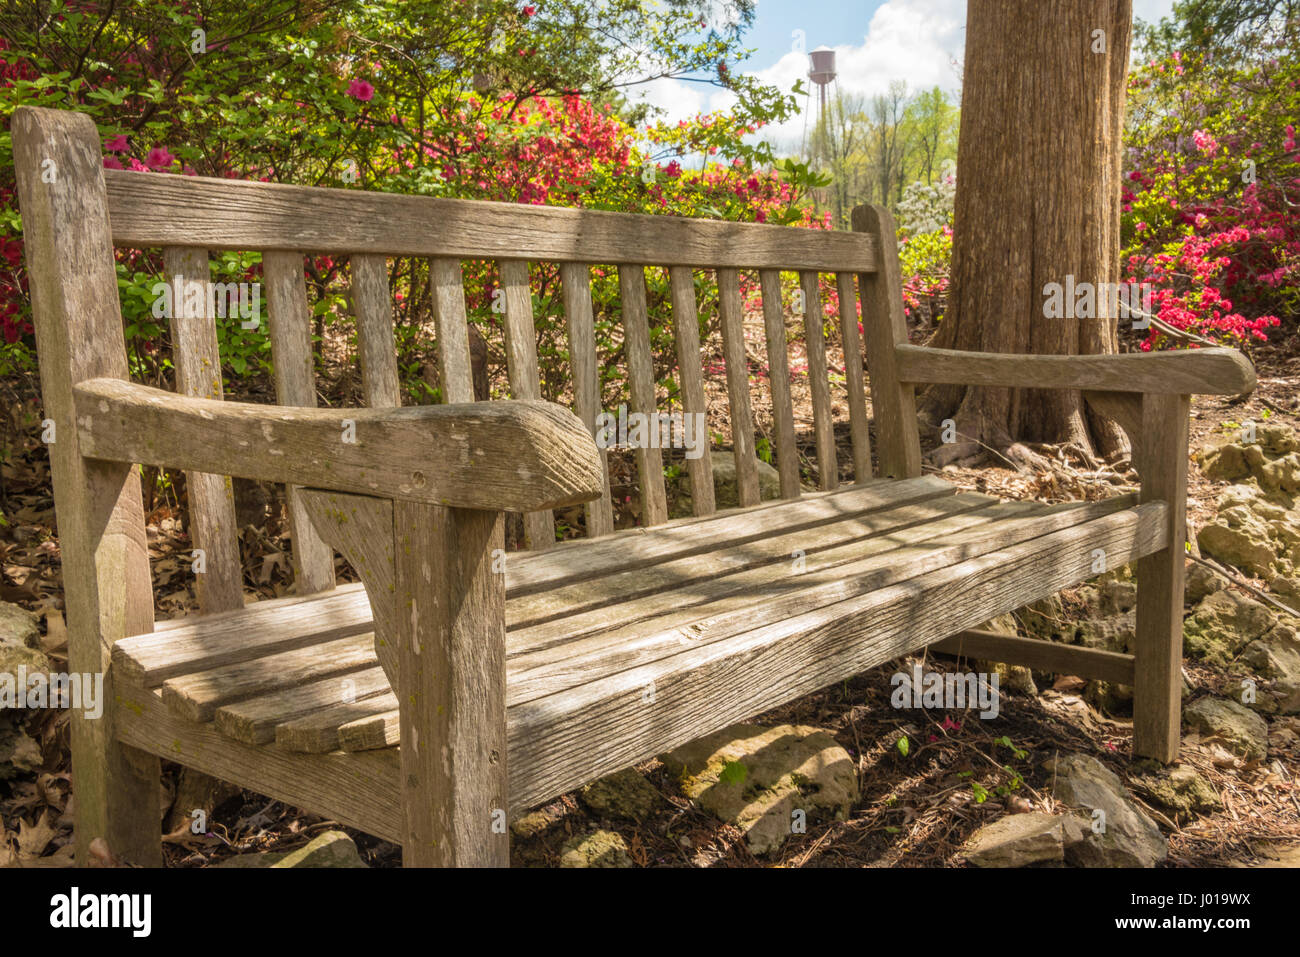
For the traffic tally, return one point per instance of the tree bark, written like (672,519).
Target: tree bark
(1038,193)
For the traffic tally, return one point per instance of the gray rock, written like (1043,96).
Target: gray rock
(331,849)
(1233,725)
(1122,835)
(1202,581)
(765,781)
(623,794)
(1017,840)
(19,753)
(597,849)
(1275,661)
(725,492)
(1223,624)
(20,641)
(1180,791)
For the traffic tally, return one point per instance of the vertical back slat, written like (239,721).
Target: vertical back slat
(778,365)
(893,402)
(732,317)
(213,529)
(453,331)
(641,384)
(818,382)
(290,329)
(686,335)
(373,305)
(853,378)
(575,280)
(521,366)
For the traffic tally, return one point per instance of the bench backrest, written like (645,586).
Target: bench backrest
(73,221)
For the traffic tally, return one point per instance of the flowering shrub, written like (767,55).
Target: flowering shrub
(1206,221)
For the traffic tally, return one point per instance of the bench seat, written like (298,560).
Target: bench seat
(600,630)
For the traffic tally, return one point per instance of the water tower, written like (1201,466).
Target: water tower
(821,70)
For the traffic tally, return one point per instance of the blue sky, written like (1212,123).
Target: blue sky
(876,42)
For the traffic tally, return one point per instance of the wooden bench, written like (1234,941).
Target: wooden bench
(454,689)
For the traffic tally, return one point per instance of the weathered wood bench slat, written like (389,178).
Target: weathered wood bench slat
(159,210)
(289,317)
(521,368)
(220,585)
(641,390)
(376,347)
(448,294)
(253,721)
(264,628)
(855,382)
(575,282)
(778,375)
(814,318)
(321,730)
(690,380)
(731,315)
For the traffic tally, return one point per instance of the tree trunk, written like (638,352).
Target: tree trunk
(1038,187)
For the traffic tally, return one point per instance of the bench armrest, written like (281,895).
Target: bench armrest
(505,456)
(1192,372)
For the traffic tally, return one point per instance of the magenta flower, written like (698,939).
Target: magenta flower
(159,158)
(361,90)
(112,162)
(117,144)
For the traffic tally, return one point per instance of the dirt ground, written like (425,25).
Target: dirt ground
(914,811)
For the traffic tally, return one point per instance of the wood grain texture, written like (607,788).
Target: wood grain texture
(521,366)
(502,455)
(1161,460)
(690,380)
(1209,371)
(1124,407)
(819,384)
(211,498)
(448,294)
(359,790)
(372,303)
(226,214)
(778,376)
(321,731)
(732,316)
(1040,655)
(107,590)
(254,721)
(575,282)
(641,389)
(452,658)
(289,316)
(854,381)
(359,528)
(893,399)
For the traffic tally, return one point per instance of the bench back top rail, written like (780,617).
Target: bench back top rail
(189,216)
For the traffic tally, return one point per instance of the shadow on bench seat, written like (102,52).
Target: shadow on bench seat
(619,649)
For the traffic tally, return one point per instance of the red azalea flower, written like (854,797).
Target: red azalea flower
(361,90)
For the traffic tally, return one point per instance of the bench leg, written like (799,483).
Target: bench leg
(450,611)
(1161,460)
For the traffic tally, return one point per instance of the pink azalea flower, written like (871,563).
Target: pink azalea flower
(361,90)
(529,10)
(159,158)
(112,162)
(117,144)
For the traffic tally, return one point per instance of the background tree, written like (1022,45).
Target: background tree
(1038,186)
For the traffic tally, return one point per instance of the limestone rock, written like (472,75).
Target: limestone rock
(19,753)
(1010,677)
(725,492)
(597,849)
(1200,582)
(1122,835)
(1016,841)
(1233,725)
(1223,624)
(624,794)
(758,778)
(331,849)
(20,641)
(1275,661)
(1181,791)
